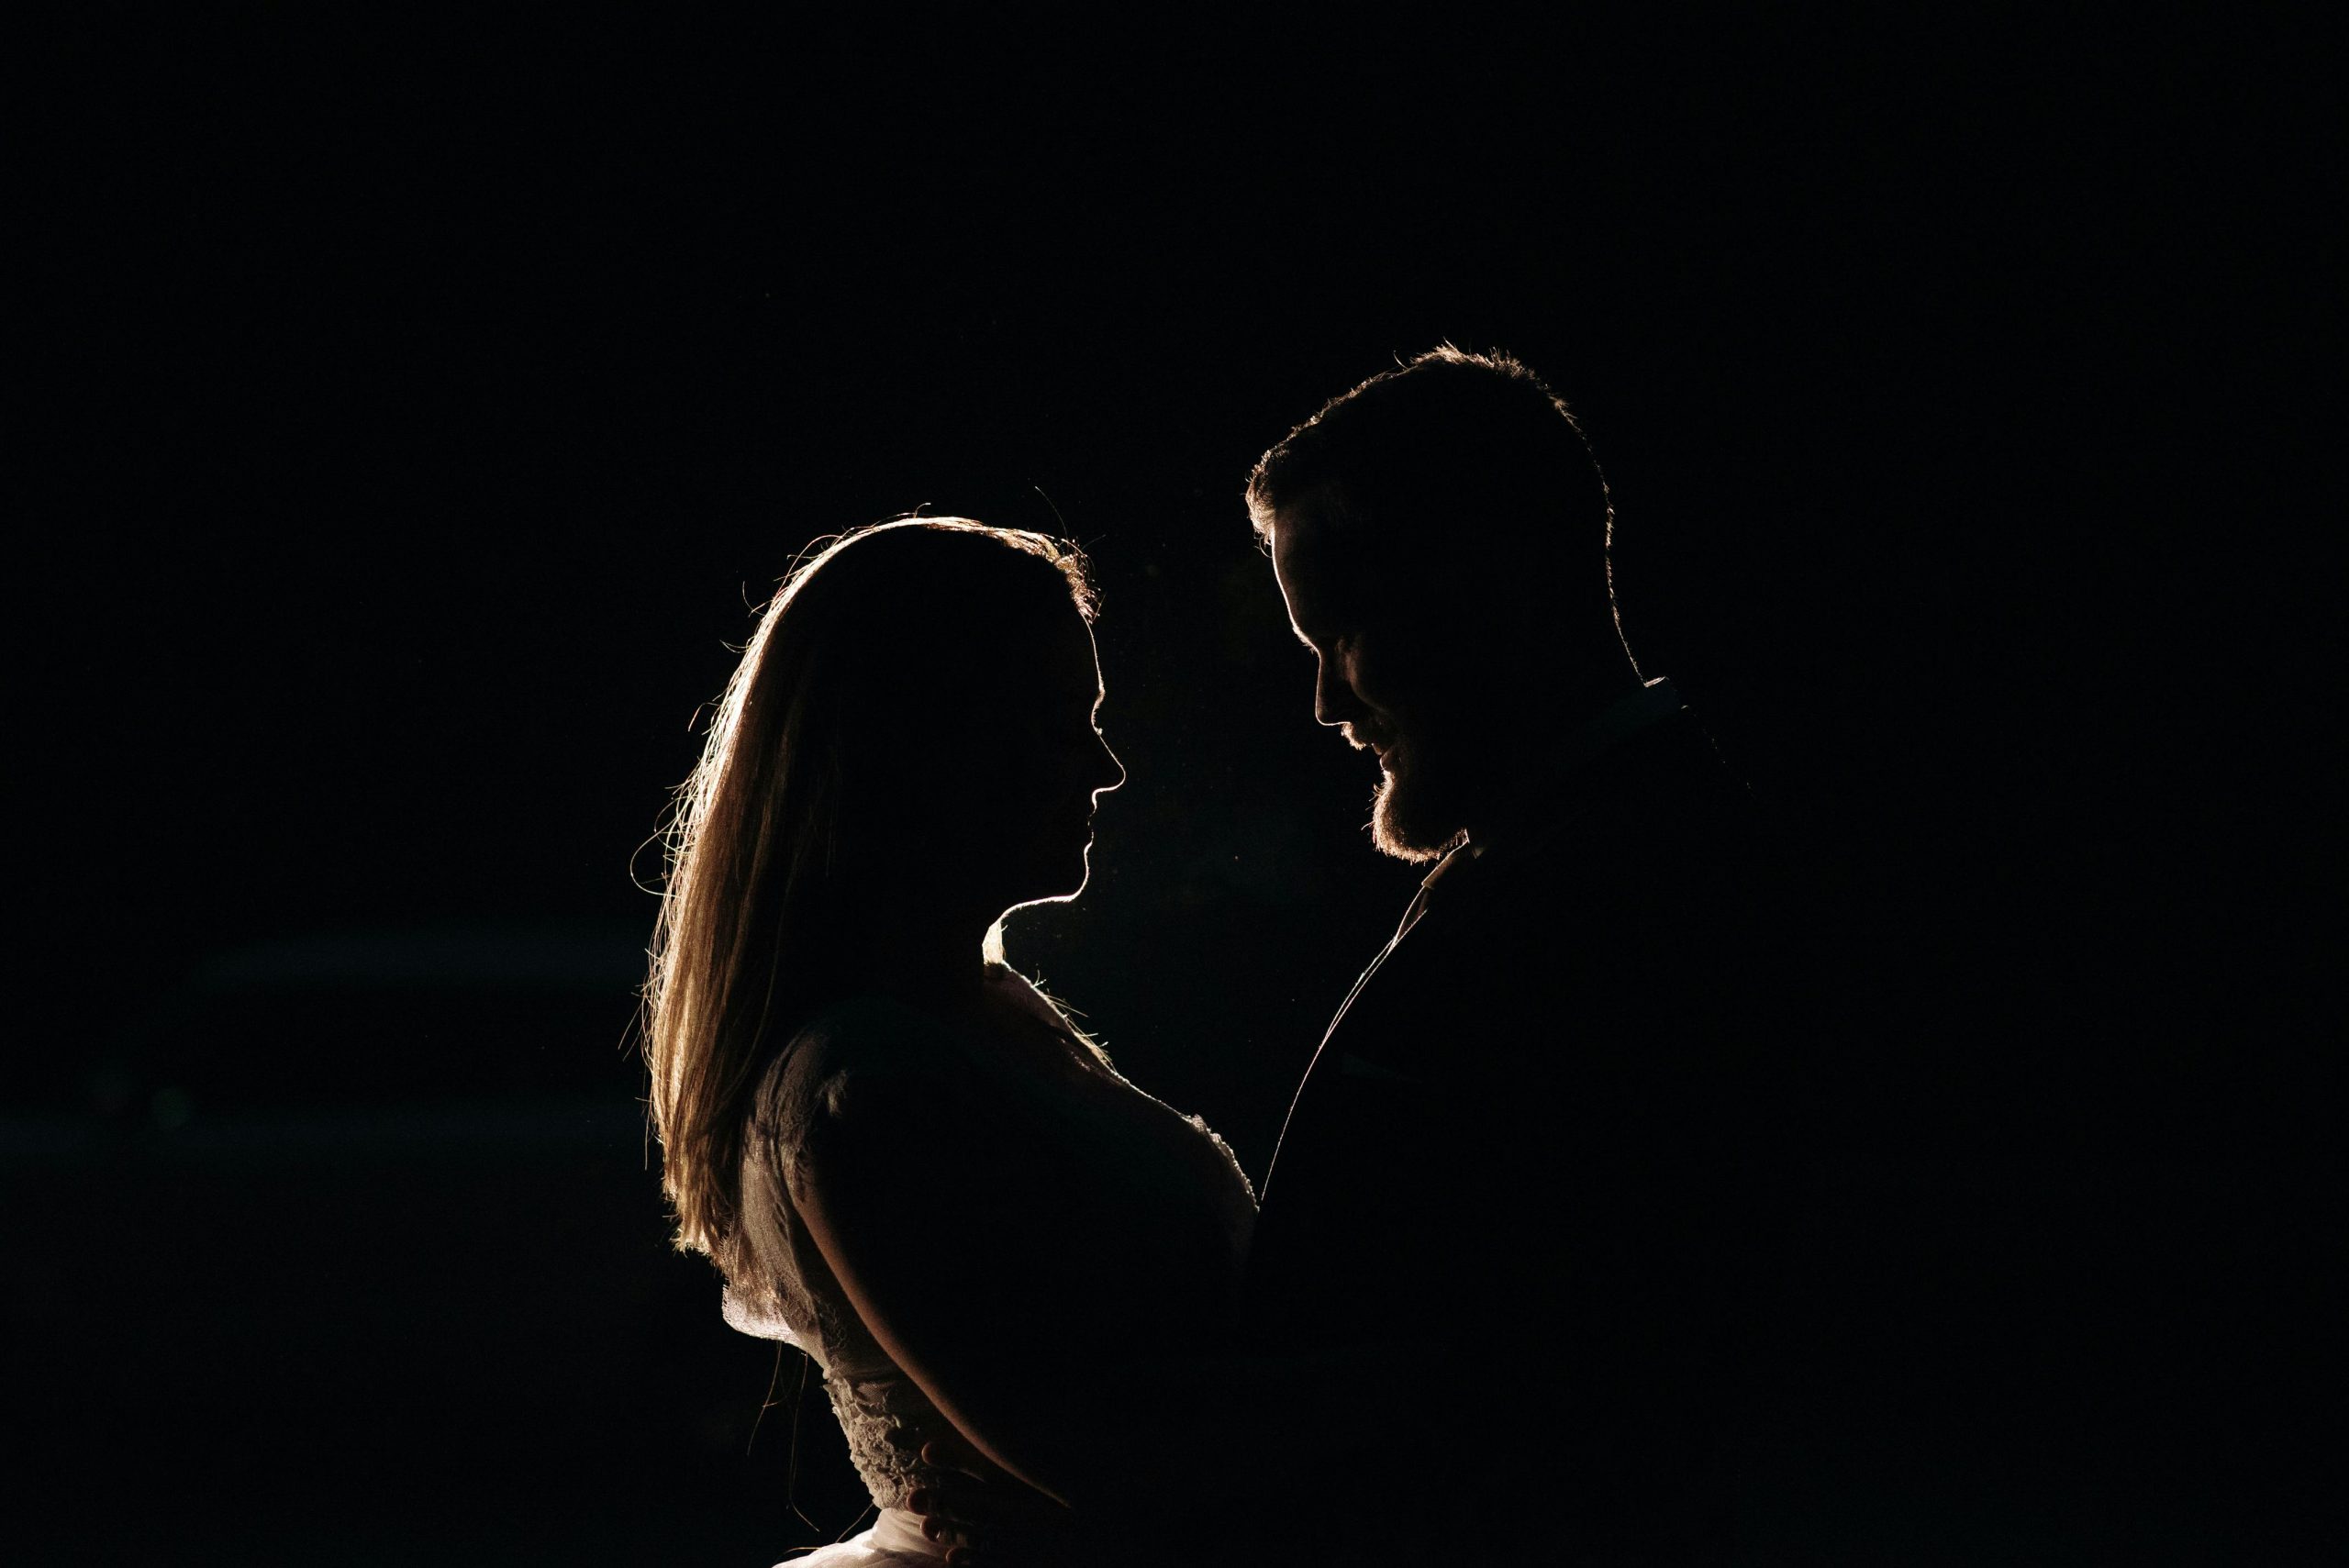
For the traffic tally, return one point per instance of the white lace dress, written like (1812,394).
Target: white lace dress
(1175,1178)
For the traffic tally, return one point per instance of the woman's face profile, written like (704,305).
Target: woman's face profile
(1045,763)
(976,767)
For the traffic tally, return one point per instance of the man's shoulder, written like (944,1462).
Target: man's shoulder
(1661,811)
(1671,775)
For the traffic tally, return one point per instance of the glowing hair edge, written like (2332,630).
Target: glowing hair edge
(753,835)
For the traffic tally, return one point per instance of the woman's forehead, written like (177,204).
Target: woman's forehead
(1058,659)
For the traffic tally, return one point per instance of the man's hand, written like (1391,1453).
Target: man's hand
(983,1517)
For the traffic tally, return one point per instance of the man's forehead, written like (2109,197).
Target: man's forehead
(1310,566)
(1301,548)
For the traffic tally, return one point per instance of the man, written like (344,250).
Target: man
(1539,1147)
(1557,1115)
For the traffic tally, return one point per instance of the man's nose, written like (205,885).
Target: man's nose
(1334,702)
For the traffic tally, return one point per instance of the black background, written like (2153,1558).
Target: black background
(415,410)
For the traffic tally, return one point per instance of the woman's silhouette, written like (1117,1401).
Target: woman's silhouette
(901,1155)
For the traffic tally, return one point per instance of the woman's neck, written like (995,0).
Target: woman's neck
(940,962)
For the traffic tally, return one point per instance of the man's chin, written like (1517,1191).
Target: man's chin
(1402,827)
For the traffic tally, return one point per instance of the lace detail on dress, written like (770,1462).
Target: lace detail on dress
(885,1417)
(887,1420)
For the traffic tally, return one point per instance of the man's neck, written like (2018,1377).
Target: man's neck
(1623,714)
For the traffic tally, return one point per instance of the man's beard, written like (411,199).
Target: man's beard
(1412,817)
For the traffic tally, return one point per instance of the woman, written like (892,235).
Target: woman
(901,1155)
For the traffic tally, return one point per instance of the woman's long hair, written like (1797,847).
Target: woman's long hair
(816,723)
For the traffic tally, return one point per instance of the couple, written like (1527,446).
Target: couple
(1492,1303)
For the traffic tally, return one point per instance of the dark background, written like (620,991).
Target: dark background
(415,411)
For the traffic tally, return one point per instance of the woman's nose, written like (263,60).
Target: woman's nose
(1113,771)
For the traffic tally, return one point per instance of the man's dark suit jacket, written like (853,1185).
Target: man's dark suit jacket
(1552,1146)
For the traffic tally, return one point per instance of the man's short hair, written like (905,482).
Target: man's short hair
(1450,451)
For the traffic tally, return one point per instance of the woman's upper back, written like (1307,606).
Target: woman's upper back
(1071,1215)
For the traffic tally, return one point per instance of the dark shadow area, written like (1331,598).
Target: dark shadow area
(419,409)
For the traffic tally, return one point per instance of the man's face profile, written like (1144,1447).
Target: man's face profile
(1378,702)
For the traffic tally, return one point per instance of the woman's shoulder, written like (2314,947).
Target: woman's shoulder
(877,1033)
(871,1038)
(861,1061)
(871,1023)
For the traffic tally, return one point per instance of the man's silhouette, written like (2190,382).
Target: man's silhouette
(1660,1259)
(1552,1136)
(1534,1191)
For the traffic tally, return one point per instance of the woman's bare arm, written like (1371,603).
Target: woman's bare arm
(934,1217)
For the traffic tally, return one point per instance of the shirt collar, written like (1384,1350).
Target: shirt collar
(1654,702)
